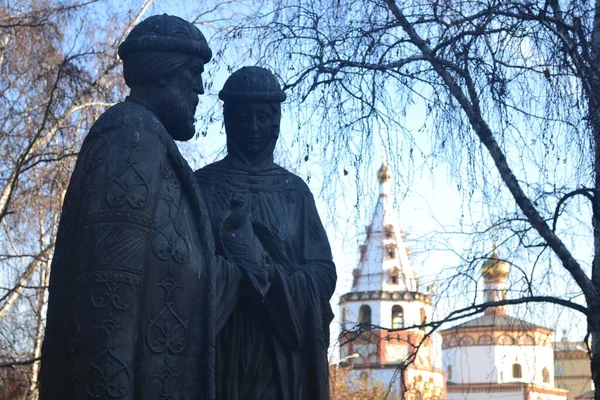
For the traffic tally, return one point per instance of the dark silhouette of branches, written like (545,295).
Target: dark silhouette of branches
(11,364)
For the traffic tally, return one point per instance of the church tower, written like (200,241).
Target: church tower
(384,313)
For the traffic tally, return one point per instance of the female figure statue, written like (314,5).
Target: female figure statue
(274,344)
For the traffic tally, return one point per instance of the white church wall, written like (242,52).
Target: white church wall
(516,393)
(532,359)
(494,364)
(411,312)
(371,272)
(369,281)
(407,280)
(470,364)
(504,393)
(533,395)
(381,312)
(396,352)
(353,312)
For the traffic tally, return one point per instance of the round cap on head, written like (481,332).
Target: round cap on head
(166,33)
(252,84)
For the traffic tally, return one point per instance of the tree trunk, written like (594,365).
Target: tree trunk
(46,241)
(32,394)
(14,293)
(594,118)
(594,330)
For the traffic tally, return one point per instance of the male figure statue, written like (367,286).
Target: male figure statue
(274,345)
(136,291)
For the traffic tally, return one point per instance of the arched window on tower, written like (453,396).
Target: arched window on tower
(388,231)
(364,315)
(517,372)
(423,318)
(391,251)
(363,252)
(394,276)
(397,317)
(450,372)
(545,375)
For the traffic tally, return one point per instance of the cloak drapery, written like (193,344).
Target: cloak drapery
(136,293)
(274,347)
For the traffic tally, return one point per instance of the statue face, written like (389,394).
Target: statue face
(251,126)
(179,98)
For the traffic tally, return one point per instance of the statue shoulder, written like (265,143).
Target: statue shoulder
(293,181)
(126,134)
(126,115)
(215,173)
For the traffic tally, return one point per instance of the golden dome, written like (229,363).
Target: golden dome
(383,175)
(495,269)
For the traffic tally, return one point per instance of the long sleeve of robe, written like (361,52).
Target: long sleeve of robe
(283,338)
(136,293)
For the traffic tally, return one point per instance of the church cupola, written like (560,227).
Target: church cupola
(495,272)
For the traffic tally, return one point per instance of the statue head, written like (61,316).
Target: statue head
(163,59)
(252,101)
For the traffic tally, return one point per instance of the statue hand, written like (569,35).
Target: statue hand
(243,247)
(274,247)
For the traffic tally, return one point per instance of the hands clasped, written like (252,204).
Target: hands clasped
(243,247)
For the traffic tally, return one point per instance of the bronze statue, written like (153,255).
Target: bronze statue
(137,293)
(274,345)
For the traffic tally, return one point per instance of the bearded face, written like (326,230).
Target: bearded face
(177,105)
(177,109)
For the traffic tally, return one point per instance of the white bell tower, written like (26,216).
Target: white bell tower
(383,313)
